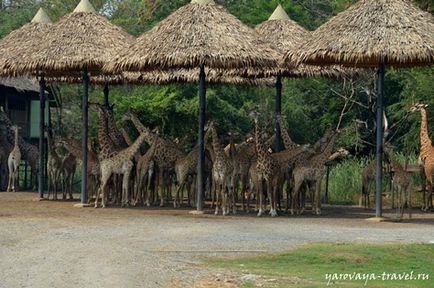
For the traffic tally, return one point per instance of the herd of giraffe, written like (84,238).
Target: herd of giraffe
(121,172)
(130,176)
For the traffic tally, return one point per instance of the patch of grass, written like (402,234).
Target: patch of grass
(308,265)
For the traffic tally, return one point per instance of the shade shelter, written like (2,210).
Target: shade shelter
(198,35)
(284,34)
(15,43)
(372,33)
(82,41)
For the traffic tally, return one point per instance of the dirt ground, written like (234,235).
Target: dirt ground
(53,244)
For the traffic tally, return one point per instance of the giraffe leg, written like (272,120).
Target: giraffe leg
(261,196)
(216,201)
(317,198)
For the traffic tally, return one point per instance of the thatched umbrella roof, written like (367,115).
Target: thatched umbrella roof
(80,39)
(393,31)
(15,43)
(284,35)
(201,32)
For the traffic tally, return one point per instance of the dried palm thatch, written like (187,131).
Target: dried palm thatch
(80,39)
(195,34)
(165,77)
(284,35)
(395,32)
(23,39)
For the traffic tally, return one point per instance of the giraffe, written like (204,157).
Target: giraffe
(145,174)
(287,141)
(165,156)
(221,173)
(28,151)
(14,163)
(69,164)
(121,163)
(311,172)
(74,147)
(368,177)
(426,154)
(402,182)
(108,148)
(268,170)
(5,149)
(54,164)
(115,133)
(242,162)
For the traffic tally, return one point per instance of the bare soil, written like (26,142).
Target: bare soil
(53,244)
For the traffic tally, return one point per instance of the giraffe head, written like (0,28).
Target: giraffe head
(254,114)
(96,107)
(418,107)
(128,115)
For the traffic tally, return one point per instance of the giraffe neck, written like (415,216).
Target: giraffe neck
(115,134)
(425,140)
(126,137)
(16,139)
(106,143)
(260,149)
(133,149)
(149,137)
(51,146)
(394,162)
(323,157)
(287,141)
(216,145)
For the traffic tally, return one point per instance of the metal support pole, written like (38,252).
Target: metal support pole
(201,163)
(106,96)
(379,150)
(279,143)
(41,137)
(85,107)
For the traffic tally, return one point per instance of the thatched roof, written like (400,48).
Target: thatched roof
(198,33)
(167,77)
(394,31)
(23,39)
(284,34)
(79,39)
(19,83)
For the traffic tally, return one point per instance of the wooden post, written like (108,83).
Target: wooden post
(85,108)
(379,147)
(279,143)
(41,137)
(201,162)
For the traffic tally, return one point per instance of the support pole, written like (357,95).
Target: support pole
(379,150)
(106,96)
(279,143)
(41,137)
(201,162)
(85,107)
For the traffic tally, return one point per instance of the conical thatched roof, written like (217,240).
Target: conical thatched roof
(284,34)
(79,39)
(198,33)
(15,43)
(371,31)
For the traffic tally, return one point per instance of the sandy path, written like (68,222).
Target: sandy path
(52,244)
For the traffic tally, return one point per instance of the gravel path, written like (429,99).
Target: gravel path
(52,244)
